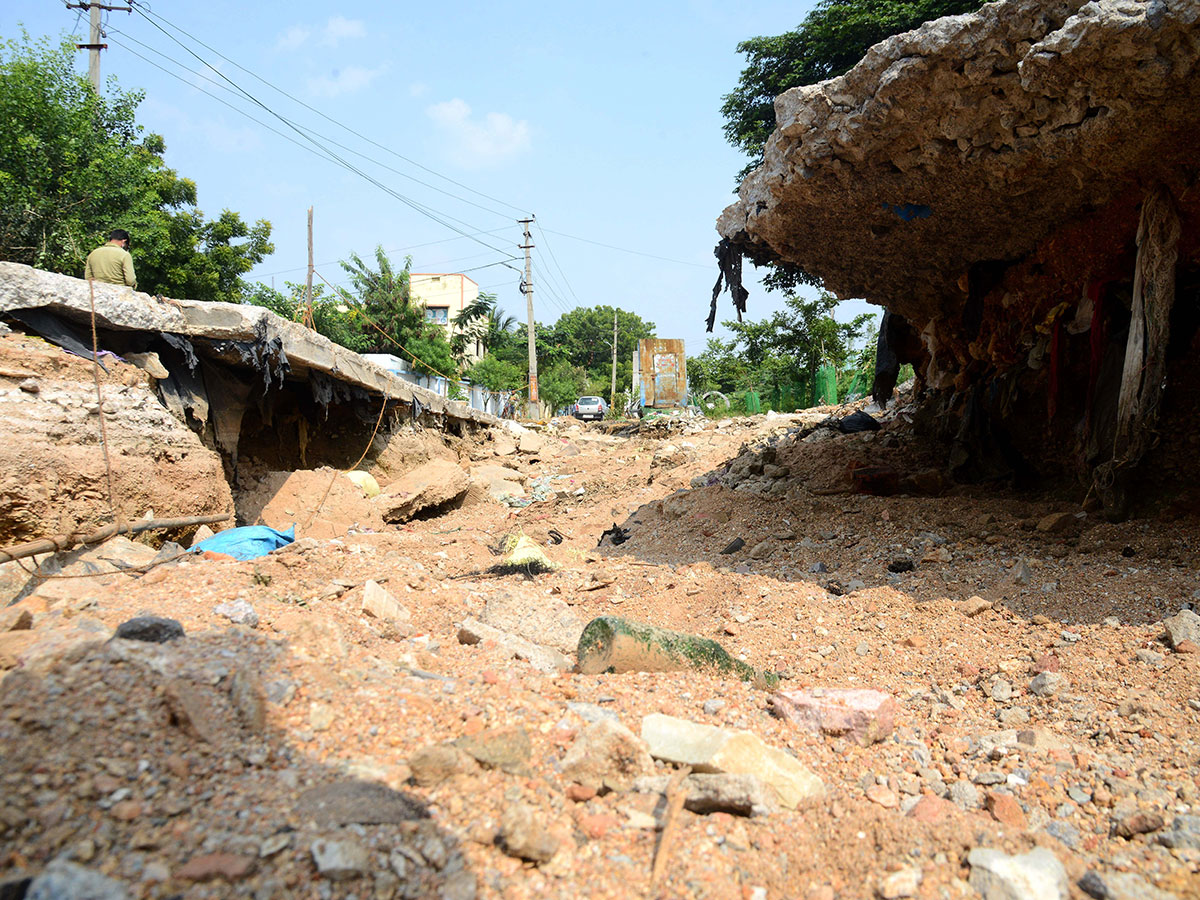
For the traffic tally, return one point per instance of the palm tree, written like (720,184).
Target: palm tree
(480,320)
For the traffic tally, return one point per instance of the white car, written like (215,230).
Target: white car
(590,408)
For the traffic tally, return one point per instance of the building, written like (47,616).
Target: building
(444,296)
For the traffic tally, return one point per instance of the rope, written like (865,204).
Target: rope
(112,502)
(366,450)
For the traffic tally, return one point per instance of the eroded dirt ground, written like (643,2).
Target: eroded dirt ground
(188,768)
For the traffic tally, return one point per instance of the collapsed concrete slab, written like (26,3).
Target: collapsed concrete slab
(238,374)
(1004,183)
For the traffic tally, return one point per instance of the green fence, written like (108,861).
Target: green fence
(820,390)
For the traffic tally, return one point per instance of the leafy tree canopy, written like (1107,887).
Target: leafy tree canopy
(74,165)
(830,40)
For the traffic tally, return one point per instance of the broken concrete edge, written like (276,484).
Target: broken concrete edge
(122,309)
(657,649)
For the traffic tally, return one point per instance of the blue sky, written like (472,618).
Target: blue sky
(601,119)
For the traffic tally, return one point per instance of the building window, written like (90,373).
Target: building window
(439,314)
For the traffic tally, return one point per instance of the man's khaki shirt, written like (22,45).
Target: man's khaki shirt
(111,264)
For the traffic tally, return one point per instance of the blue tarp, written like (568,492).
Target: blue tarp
(247,542)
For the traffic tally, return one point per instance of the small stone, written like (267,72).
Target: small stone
(433,764)
(1137,823)
(929,809)
(238,611)
(580,793)
(340,860)
(607,756)
(508,749)
(1183,626)
(151,629)
(320,716)
(964,795)
(356,802)
(974,606)
(62,880)
(1047,662)
(1047,684)
(883,795)
(1186,646)
(1006,810)
(863,716)
(1037,875)
(210,866)
(274,844)
(714,706)
(524,834)
(903,883)
(30,386)
(1121,886)
(380,604)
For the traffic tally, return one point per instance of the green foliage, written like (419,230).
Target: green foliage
(391,322)
(480,320)
(562,384)
(830,40)
(497,374)
(778,358)
(332,316)
(74,165)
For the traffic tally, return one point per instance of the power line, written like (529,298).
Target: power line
(627,250)
(424,210)
(148,14)
(331,262)
(554,260)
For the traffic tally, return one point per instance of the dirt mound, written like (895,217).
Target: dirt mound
(53,476)
(322,503)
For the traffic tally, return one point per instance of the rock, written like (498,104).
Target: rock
(355,802)
(546,621)
(378,602)
(1036,875)
(340,859)
(531,442)
(211,866)
(974,606)
(507,749)
(709,749)
(365,481)
(762,550)
(903,883)
(432,765)
(1183,834)
(544,659)
(606,756)
(239,612)
(321,716)
(497,482)
(1136,823)
(964,795)
(193,709)
(929,809)
(1055,523)
(1047,684)
(247,695)
(1121,886)
(151,629)
(611,644)
(437,483)
(863,716)
(742,795)
(1183,626)
(15,620)
(524,834)
(62,880)
(1006,810)
(203,533)
(883,795)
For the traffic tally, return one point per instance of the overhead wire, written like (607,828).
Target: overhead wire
(681,262)
(150,15)
(554,260)
(423,209)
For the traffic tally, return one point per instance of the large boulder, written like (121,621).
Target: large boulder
(437,483)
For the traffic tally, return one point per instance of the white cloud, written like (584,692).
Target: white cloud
(479,142)
(339,28)
(293,38)
(344,81)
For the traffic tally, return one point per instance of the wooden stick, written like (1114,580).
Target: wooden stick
(62,542)
(677,793)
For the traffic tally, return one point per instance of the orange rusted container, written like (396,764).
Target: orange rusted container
(662,373)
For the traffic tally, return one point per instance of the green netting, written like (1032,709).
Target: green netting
(753,402)
(825,386)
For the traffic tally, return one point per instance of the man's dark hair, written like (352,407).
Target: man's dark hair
(118,234)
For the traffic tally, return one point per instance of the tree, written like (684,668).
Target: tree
(583,338)
(497,374)
(830,40)
(480,320)
(332,316)
(74,165)
(782,353)
(392,323)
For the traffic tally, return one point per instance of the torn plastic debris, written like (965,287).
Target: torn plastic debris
(247,542)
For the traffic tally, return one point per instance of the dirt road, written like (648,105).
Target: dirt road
(291,744)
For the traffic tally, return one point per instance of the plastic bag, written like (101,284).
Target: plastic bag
(247,542)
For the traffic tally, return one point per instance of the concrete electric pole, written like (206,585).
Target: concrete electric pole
(93,46)
(612,397)
(534,410)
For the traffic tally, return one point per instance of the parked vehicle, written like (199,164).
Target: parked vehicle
(590,408)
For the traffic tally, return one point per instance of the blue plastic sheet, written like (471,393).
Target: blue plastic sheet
(247,542)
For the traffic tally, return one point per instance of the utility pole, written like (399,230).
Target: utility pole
(94,46)
(612,398)
(534,410)
(308,316)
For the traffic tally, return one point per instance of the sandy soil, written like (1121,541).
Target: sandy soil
(195,768)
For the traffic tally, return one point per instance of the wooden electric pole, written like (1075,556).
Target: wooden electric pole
(308,316)
(534,410)
(612,397)
(93,46)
